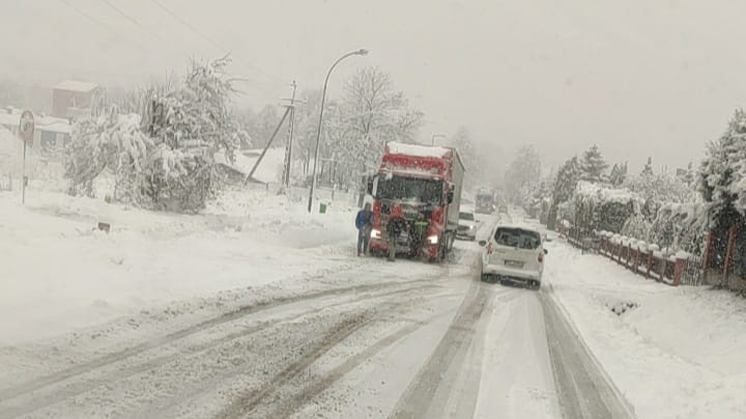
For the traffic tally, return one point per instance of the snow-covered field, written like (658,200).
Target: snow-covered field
(59,273)
(672,352)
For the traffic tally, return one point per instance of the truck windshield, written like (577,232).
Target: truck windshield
(426,191)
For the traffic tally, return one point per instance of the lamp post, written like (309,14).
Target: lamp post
(321,116)
(437,136)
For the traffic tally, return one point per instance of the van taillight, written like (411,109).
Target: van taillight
(541,257)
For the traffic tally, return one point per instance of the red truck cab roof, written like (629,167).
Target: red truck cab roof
(416,160)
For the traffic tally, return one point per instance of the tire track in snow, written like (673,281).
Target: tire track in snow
(245,404)
(316,387)
(418,401)
(80,387)
(583,389)
(267,395)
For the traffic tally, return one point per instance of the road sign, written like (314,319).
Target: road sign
(26,127)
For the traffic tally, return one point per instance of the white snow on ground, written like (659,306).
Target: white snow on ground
(672,352)
(59,274)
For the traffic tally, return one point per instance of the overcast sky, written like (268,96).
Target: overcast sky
(637,77)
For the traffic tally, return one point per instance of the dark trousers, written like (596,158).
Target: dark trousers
(363,237)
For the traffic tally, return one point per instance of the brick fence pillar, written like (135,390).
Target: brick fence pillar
(678,270)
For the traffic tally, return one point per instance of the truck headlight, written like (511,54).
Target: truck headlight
(433,239)
(375,234)
(471,227)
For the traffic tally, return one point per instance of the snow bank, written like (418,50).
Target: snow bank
(59,274)
(417,150)
(674,352)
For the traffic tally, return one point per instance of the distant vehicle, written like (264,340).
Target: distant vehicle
(485,203)
(425,181)
(502,209)
(467,226)
(514,254)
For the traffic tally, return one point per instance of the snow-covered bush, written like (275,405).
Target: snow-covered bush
(166,159)
(110,142)
(595,207)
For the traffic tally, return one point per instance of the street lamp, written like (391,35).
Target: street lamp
(437,136)
(321,116)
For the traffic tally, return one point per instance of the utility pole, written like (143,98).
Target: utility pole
(289,146)
(289,109)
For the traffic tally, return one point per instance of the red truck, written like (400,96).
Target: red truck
(426,182)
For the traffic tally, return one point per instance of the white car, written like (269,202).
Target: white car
(514,254)
(467,226)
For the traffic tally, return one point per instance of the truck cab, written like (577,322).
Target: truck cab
(426,183)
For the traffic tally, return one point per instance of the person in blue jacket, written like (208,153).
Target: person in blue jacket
(364,224)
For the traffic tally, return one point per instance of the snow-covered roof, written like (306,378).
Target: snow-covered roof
(417,150)
(269,170)
(76,86)
(41,122)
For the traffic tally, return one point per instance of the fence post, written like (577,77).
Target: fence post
(678,269)
(629,255)
(649,262)
(637,258)
(728,254)
(708,250)
(662,273)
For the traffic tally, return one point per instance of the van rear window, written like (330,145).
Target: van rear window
(516,237)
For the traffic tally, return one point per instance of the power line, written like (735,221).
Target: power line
(102,24)
(210,40)
(188,25)
(128,17)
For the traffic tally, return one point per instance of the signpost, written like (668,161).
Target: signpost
(26,132)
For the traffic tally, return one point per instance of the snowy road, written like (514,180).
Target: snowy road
(378,340)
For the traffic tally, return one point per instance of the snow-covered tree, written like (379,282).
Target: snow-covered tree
(189,126)
(371,113)
(688,175)
(618,174)
(523,171)
(723,171)
(661,188)
(164,160)
(564,186)
(648,169)
(474,160)
(110,142)
(592,165)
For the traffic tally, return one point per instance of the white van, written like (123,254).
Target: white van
(514,254)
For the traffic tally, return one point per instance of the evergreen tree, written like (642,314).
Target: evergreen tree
(618,174)
(723,171)
(523,171)
(648,169)
(564,185)
(592,165)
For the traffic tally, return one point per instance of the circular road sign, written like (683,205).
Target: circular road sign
(26,127)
